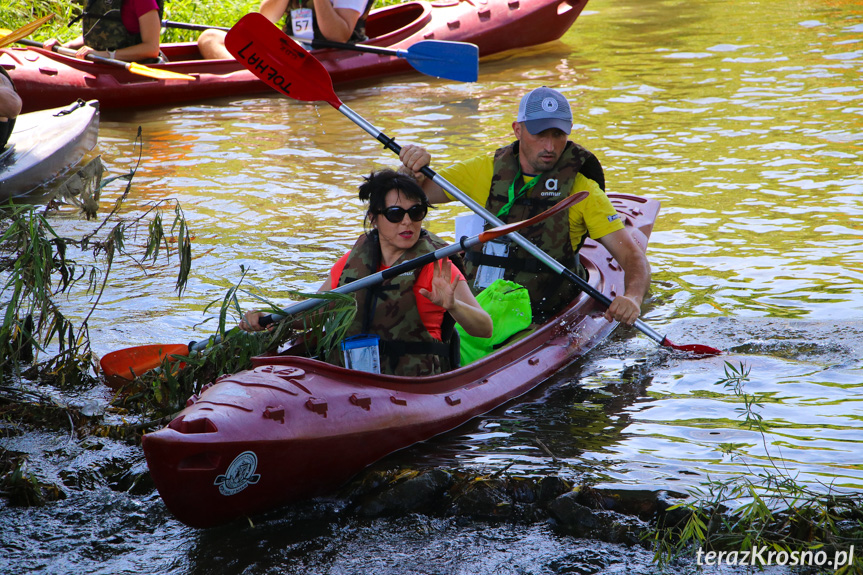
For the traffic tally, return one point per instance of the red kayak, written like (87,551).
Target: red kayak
(46,79)
(293,428)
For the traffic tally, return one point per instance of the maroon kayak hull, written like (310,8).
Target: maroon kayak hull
(293,428)
(46,79)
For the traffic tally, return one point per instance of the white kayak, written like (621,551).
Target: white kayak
(44,145)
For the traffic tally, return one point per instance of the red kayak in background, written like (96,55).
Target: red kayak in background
(292,427)
(46,79)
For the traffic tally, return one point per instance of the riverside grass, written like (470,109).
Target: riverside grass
(765,507)
(38,268)
(17,13)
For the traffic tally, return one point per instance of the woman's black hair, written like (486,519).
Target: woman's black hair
(377,185)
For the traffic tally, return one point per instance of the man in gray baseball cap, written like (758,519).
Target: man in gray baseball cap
(544,108)
(543,123)
(527,177)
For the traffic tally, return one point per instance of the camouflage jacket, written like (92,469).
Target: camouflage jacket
(103,27)
(549,293)
(389,310)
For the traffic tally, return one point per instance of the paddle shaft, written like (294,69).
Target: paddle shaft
(189,26)
(12,36)
(368,281)
(450,60)
(463,245)
(315,43)
(374,279)
(71,52)
(132,67)
(555,265)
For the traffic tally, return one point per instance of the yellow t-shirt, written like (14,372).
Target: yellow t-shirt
(594,215)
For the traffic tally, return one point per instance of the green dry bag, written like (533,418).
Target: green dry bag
(508,304)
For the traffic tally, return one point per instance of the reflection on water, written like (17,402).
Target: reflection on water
(747,128)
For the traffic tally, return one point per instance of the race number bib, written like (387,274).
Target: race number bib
(301,22)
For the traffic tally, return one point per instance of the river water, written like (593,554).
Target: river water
(745,119)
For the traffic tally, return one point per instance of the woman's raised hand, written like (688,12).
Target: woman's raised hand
(443,288)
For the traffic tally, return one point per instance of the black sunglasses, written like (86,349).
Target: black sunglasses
(396,214)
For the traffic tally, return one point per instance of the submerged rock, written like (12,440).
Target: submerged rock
(609,526)
(611,515)
(484,499)
(419,493)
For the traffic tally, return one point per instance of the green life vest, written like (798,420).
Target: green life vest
(549,293)
(103,27)
(358,35)
(389,310)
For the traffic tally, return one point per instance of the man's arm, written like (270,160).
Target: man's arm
(273,10)
(627,307)
(336,24)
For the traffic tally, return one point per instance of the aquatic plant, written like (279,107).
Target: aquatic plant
(38,340)
(160,392)
(777,513)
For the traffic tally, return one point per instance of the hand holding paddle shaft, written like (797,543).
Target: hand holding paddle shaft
(287,67)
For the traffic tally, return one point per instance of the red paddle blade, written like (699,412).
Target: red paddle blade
(278,61)
(563,204)
(693,348)
(121,366)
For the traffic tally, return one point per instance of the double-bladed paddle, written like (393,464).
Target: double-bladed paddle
(132,67)
(11,36)
(457,61)
(287,67)
(124,364)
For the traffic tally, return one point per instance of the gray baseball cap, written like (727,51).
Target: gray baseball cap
(544,108)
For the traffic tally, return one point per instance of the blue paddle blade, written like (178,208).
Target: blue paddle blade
(457,61)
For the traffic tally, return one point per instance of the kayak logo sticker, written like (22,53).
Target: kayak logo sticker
(239,475)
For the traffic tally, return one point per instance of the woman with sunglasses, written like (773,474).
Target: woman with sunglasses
(410,318)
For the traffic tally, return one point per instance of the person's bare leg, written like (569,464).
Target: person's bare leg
(211,44)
